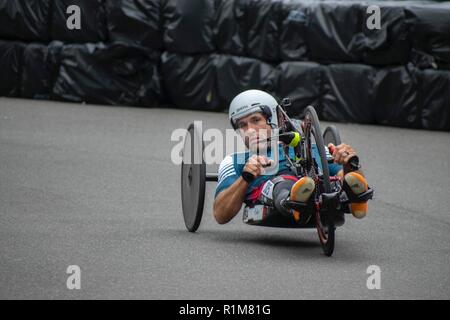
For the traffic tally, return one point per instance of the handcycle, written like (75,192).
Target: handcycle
(327,206)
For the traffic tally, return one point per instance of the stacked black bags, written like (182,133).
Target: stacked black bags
(321,53)
(107,74)
(45,57)
(199,54)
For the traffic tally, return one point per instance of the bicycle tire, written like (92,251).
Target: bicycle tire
(193,178)
(324,221)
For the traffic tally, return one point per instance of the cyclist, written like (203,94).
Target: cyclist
(242,178)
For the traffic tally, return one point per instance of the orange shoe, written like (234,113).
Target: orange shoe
(301,191)
(358,185)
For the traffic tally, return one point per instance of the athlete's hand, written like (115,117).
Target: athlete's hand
(342,153)
(255,165)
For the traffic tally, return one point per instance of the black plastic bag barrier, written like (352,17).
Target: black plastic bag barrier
(93,21)
(189,25)
(338,32)
(137,22)
(190,81)
(435,98)
(11,53)
(236,74)
(263,29)
(405,90)
(302,82)
(331,30)
(40,66)
(347,93)
(230,31)
(108,74)
(429,31)
(294,23)
(388,45)
(25,20)
(396,97)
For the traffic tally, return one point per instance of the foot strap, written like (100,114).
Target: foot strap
(353,198)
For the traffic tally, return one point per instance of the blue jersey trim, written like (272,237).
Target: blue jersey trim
(227,178)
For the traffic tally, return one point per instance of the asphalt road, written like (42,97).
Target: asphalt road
(94,186)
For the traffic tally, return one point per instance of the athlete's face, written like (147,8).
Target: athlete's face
(255,130)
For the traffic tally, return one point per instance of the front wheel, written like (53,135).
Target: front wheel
(321,175)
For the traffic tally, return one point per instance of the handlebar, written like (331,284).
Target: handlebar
(353,162)
(289,138)
(292,139)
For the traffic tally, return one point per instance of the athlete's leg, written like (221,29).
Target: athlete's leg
(289,187)
(281,191)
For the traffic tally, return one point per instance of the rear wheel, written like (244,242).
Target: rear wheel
(193,178)
(331,135)
(324,219)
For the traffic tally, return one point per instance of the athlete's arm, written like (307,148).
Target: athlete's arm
(342,154)
(229,201)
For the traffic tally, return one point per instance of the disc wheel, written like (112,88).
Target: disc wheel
(324,219)
(193,178)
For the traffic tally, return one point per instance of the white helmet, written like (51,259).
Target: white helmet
(252,101)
